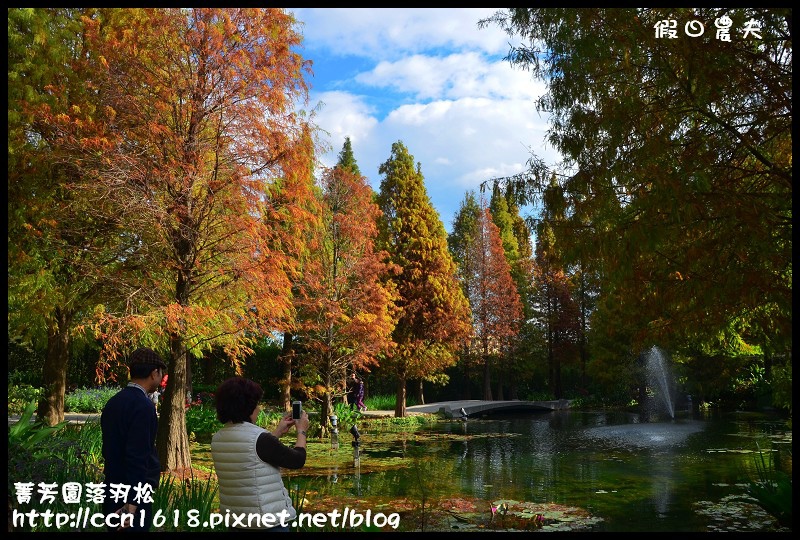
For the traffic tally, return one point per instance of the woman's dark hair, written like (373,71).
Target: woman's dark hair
(237,397)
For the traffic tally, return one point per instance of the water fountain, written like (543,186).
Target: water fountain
(655,426)
(661,383)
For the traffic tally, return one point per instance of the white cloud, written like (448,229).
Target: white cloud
(470,134)
(343,115)
(381,33)
(452,76)
(429,78)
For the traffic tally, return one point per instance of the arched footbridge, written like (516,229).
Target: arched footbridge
(476,407)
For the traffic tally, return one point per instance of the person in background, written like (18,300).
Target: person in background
(154,397)
(352,390)
(360,394)
(248,458)
(129,424)
(159,392)
(355,392)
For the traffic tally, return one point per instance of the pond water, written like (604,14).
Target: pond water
(635,476)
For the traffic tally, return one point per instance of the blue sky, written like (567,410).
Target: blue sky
(430,78)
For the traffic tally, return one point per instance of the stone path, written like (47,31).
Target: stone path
(449,408)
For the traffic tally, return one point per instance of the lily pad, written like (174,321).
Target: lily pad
(736,513)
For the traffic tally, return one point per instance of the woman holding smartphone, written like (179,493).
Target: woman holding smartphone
(248,458)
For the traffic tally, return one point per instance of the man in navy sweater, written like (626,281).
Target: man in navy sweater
(129,425)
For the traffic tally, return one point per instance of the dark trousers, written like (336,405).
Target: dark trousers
(137,526)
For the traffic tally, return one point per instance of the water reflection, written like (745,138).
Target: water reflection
(577,459)
(666,435)
(636,476)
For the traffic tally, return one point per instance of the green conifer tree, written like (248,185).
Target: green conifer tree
(347,159)
(460,239)
(434,317)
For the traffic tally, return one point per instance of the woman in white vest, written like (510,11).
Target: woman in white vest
(248,459)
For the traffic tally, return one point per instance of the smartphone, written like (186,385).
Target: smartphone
(297,408)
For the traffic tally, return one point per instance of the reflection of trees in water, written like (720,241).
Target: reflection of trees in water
(530,465)
(423,472)
(544,460)
(637,474)
(526,459)
(487,460)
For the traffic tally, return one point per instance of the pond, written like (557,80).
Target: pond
(570,470)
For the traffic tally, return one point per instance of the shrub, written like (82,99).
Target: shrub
(407,422)
(345,415)
(206,398)
(17,377)
(268,419)
(41,453)
(202,420)
(89,400)
(72,453)
(19,395)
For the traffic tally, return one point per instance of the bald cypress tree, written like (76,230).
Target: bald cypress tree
(493,297)
(498,205)
(434,316)
(516,238)
(347,160)
(459,241)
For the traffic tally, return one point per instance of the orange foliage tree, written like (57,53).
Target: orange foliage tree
(211,176)
(434,318)
(63,253)
(516,237)
(344,307)
(493,297)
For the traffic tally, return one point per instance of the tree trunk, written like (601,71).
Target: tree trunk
(285,358)
(559,391)
(551,381)
(324,415)
(583,352)
(172,442)
(419,395)
(51,404)
(400,405)
(327,403)
(346,385)
(465,387)
(512,373)
(487,387)
(500,385)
